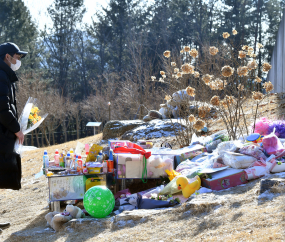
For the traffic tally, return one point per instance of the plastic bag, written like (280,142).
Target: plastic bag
(254,151)
(93,152)
(228,146)
(238,161)
(30,119)
(272,144)
(170,188)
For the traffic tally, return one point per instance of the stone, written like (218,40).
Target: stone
(154,129)
(154,114)
(116,128)
(147,118)
(269,184)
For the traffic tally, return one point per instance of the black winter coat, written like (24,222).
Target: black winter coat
(10,162)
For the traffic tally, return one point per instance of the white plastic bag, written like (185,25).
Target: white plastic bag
(238,161)
(24,121)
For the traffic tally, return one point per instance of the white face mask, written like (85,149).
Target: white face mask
(16,66)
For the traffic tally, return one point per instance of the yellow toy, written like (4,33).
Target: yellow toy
(188,186)
(172,174)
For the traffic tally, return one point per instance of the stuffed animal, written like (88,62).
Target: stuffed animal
(56,219)
(156,166)
(188,187)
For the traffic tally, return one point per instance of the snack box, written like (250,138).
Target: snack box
(96,180)
(189,153)
(225,179)
(120,143)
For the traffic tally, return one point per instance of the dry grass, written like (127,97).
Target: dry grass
(237,214)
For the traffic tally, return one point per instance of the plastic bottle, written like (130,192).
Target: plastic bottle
(56,158)
(100,157)
(75,161)
(68,161)
(105,167)
(62,159)
(79,164)
(45,162)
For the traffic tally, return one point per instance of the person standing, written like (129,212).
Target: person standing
(10,161)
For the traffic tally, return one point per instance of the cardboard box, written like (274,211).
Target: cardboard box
(189,153)
(225,179)
(120,143)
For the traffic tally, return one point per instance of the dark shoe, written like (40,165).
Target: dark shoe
(4,225)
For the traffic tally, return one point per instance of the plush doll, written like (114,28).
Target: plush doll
(56,219)
(157,166)
(188,187)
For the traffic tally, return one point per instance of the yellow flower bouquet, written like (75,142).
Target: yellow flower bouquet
(30,119)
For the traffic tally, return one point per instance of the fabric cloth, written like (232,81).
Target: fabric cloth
(10,162)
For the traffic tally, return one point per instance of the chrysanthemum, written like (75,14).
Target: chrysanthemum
(190,91)
(258,80)
(191,118)
(163,76)
(215,101)
(242,71)
(187,68)
(212,85)
(234,32)
(219,84)
(207,78)
(199,124)
(196,74)
(153,78)
(203,111)
(227,71)
(167,53)
(241,54)
(257,96)
(162,73)
(252,65)
(176,70)
(245,47)
(268,86)
(226,35)
(213,50)
(179,74)
(187,48)
(194,53)
(173,64)
(266,67)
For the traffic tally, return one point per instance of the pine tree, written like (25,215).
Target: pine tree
(66,15)
(17,26)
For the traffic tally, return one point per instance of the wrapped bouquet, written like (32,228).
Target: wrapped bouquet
(30,119)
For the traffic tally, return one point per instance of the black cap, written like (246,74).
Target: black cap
(11,48)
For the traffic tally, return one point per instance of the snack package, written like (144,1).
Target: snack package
(93,152)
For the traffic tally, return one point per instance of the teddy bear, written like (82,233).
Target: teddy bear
(156,166)
(56,219)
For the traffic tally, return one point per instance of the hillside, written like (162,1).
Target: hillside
(237,214)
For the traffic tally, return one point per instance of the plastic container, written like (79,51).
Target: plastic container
(45,161)
(68,161)
(75,161)
(56,158)
(62,160)
(79,164)
(110,165)
(100,157)
(105,167)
